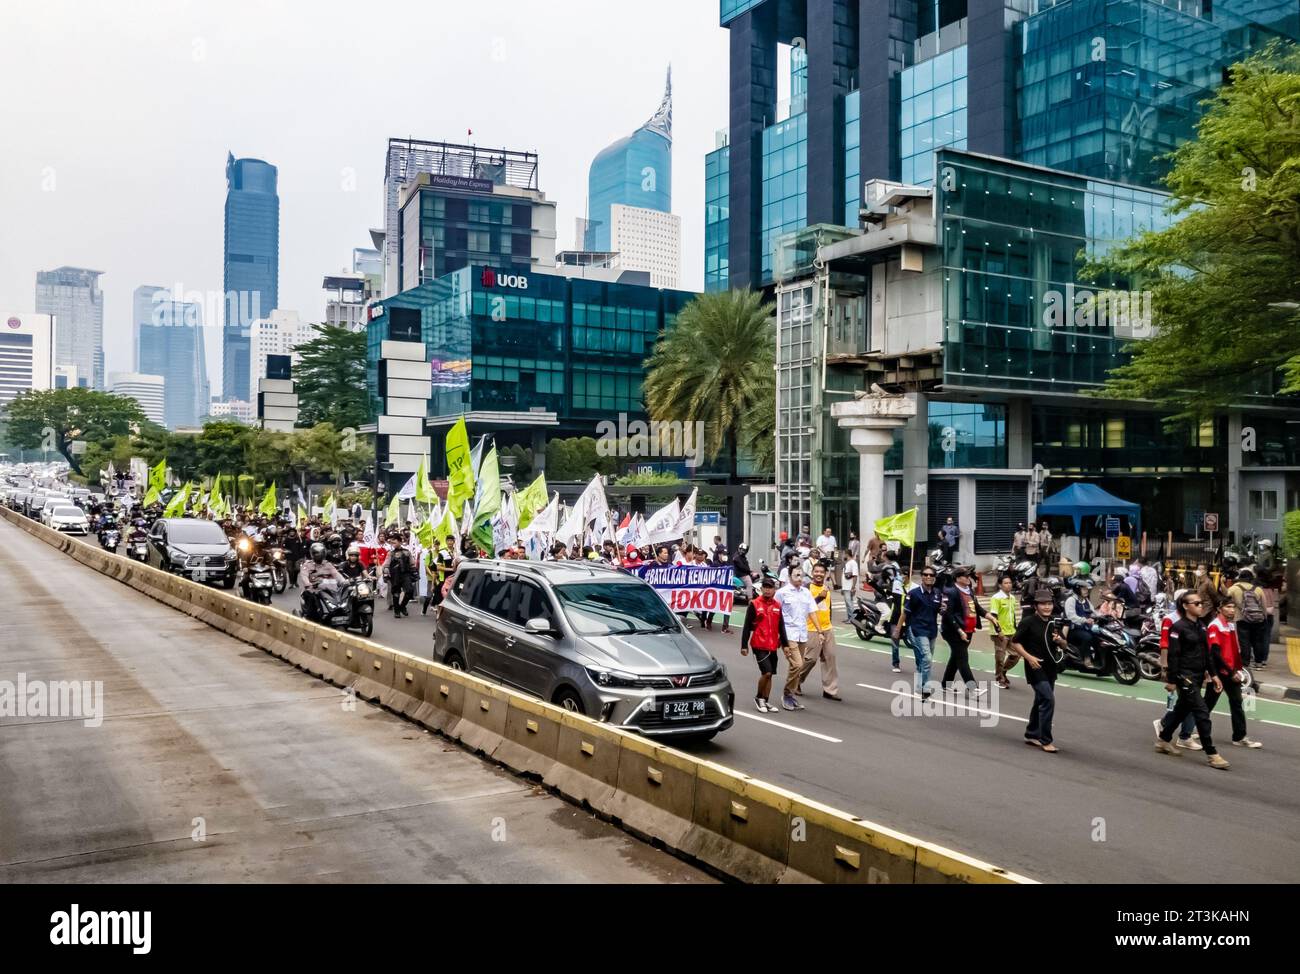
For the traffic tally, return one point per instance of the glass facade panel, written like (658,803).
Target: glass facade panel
(785,183)
(852,158)
(932,113)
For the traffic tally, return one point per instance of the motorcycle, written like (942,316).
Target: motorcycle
(944,572)
(1114,646)
(871,614)
(279,569)
(1149,650)
(350,606)
(1022,571)
(256,581)
(137,548)
(110,539)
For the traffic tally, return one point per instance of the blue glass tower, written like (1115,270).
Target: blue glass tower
(252,265)
(634,171)
(169,343)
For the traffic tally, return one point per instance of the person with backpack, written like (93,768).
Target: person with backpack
(1252,619)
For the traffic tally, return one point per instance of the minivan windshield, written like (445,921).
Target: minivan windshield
(613,609)
(195,532)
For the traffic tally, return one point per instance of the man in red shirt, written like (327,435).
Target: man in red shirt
(1225,662)
(765,631)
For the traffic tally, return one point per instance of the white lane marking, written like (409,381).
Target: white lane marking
(945,703)
(797,730)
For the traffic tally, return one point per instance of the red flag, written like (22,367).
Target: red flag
(627,520)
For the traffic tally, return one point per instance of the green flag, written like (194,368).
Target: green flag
(446,527)
(303,516)
(531,500)
(424,534)
(176,507)
(158,476)
(216,503)
(424,492)
(151,497)
(391,517)
(329,509)
(899,527)
(487,502)
(460,472)
(268,506)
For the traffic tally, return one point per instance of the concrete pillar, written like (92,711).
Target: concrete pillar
(870,419)
(1020,434)
(539,452)
(916,461)
(1234,512)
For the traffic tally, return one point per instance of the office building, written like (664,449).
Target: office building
(169,342)
(73,297)
(280,333)
(240,410)
(527,354)
(146,390)
(914,207)
(647,240)
(27,343)
(252,265)
(447,206)
(634,171)
(66,377)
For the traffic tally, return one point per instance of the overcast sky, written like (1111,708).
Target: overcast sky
(116,118)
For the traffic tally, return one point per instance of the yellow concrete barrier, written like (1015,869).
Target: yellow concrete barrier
(733,823)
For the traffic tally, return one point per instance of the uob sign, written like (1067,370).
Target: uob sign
(492,279)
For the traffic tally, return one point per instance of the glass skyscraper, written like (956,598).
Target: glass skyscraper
(169,343)
(73,296)
(634,171)
(252,265)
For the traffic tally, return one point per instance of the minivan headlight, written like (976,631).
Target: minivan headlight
(611,678)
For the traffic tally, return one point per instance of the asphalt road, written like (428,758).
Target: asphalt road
(1107,808)
(216,762)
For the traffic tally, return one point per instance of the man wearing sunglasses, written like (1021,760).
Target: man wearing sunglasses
(1188,668)
(920,615)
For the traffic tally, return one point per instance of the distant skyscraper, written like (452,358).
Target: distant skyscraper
(279,333)
(252,265)
(146,390)
(73,296)
(26,353)
(647,240)
(169,343)
(634,171)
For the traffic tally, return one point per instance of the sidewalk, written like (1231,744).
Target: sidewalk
(1281,680)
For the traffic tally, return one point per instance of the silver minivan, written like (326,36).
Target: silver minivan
(588,638)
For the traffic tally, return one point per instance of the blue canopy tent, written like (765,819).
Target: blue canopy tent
(1084,500)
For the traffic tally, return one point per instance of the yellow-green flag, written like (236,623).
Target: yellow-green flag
(488,502)
(267,506)
(531,500)
(303,516)
(329,509)
(216,503)
(151,497)
(899,527)
(424,492)
(393,513)
(446,527)
(176,507)
(460,469)
(158,476)
(424,534)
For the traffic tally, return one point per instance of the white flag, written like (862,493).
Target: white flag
(368,531)
(571,529)
(662,525)
(686,522)
(592,502)
(545,523)
(408,491)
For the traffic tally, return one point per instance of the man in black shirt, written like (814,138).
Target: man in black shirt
(1041,648)
(1187,670)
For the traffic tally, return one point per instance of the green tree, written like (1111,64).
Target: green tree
(714,367)
(1218,274)
(222,447)
(576,458)
(54,419)
(664,478)
(331,378)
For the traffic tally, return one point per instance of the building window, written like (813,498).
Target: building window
(1263,505)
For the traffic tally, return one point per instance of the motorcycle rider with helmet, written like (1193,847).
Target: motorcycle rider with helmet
(1080,615)
(352,569)
(316,573)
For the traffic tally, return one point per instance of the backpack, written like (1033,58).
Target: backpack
(1252,605)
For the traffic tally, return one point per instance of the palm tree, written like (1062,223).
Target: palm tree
(716,366)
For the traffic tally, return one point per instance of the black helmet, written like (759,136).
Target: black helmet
(317,552)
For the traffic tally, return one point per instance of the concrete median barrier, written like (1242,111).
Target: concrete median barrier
(738,826)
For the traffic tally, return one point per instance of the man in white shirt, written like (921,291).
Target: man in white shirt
(826,542)
(849,584)
(796,606)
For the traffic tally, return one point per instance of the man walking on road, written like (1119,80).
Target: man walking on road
(1252,619)
(1004,614)
(1226,663)
(797,607)
(821,638)
(765,632)
(1040,648)
(921,618)
(961,617)
(1188,669)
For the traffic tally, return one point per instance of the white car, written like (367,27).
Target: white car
(67,518)
(49,503)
